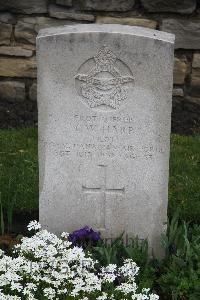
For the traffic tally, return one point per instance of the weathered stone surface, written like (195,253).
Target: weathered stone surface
(106,5)
(195,83)
(177,92)
(33,92)
(178,6)
(24,6)
(27,28)
(5,33)
(17,67)
(15,51)
(6,17)
(12,91)
(27,46)
(187,32)
(64,2)
(127,21)
(196,60)
(180,70)
(64,13)
(104,134)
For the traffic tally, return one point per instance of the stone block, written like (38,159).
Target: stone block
(127,21)
(26,28)
(15,51)
(18,67)
(196,60)
(6,17)
(24,6)
(192,107)
(180,71)
(33,92)
(177,92)
(187,32)
(105,5)
(59,12)
(176,6)
(195,83)
(64,2)
(5,33)
(27,46)
(12,91)
(195,78)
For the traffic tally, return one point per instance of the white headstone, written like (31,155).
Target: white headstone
(104,102)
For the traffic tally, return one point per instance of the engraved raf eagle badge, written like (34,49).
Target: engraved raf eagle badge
(103,80)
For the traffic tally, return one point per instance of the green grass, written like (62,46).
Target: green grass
(19,169)
(19,172)
(184,183)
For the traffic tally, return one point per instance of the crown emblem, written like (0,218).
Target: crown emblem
(104,85)
(105,59)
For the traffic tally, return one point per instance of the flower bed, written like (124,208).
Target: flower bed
(45,266)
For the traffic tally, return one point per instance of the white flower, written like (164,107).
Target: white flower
(65,235)
(129,269)
(33,225)
(127,288)
(102,297)
(145,290)
(109,273)
(49,293)
(153,297)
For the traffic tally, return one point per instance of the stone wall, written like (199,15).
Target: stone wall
(21,20)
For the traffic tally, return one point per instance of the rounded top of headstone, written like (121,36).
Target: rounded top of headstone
(107,28)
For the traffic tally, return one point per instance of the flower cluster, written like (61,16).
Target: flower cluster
(33,225)
(48,267)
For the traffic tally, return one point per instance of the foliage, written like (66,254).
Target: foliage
(2,227)
(116,251)
(180,274)
(177,277)
(48,267)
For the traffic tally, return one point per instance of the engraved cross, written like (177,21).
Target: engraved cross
(103,190)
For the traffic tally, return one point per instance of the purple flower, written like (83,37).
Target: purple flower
(84,235)
(94,235)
